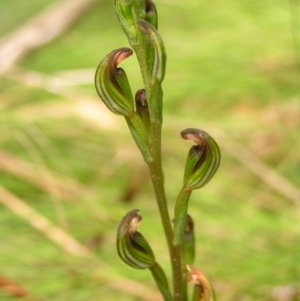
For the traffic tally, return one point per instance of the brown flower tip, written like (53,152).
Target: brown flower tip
(196,135)
(121,54)
(141,98)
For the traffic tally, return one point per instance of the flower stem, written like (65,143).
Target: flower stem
(157,178)
(157,181)
(154,97)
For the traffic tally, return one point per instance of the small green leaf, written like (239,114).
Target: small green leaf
(155,51)
(112,84)
(203,159)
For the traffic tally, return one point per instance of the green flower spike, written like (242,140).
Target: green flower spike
(155,51)
(203,159)
(202,162)
(151,14)
(112,84)
(203,290)
(124,12)
(135,251)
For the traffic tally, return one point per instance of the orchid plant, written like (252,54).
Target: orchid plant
(143,113)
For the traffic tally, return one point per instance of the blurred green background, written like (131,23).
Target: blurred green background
(69,169)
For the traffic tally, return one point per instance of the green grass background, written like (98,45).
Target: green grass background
(233,66)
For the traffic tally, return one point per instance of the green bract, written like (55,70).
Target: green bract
(188,242)
(155,51)
(180,215)
(140,9)
(112,84)
(203,159)
(123,9)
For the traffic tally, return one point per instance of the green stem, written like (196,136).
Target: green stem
(157,178)
(161,281)
(154,95)
(138,132)
(158,184)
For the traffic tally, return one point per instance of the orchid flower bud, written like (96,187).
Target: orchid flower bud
(139,7)
(134,250)
(155,51)
(202,162)
(203,290)
(112,84)
(141,100)
(203,159)
(126,18)
(131,245)
(142,109)
(151,13)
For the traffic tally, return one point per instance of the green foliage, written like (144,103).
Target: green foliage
(237,68)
